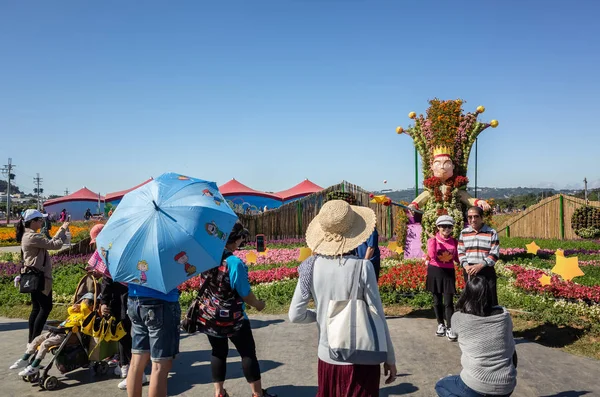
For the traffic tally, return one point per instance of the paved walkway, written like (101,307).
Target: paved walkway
(17,248)
(288,360)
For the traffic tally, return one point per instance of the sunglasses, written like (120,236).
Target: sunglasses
(445,226)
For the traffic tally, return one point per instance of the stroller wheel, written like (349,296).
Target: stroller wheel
(51,383)
(33,378)
(102,368)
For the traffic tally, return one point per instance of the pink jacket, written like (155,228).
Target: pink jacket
(442,252)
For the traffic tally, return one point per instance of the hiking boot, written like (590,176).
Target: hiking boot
(29,371)
(441,330)
(452,337)
(20,363)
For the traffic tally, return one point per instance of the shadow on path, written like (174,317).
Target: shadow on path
(551,335)
(571,393)
(402,388)
(14,326)
(421,313)
(293,391)
(193,368)
(257,324)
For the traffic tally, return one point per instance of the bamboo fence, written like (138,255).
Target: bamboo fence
(548,219)
(291,220)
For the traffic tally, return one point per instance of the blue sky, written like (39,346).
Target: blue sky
(106,94)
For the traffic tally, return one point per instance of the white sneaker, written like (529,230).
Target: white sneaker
(20,363)
(122,371)
(441,330)
(29,371)
(123,384)
(451,335)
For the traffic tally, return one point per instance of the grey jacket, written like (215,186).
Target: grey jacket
(35,248)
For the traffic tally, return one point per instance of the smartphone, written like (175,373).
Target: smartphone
(260,243)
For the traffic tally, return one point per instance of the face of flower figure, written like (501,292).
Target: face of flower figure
(443,168)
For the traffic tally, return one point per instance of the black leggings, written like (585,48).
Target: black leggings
(125,343)
(446,308)
(41,306)
(244,344)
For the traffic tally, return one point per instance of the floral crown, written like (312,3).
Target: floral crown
(446,131)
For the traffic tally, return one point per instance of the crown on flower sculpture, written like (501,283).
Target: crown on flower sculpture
(446,130)
(442,151)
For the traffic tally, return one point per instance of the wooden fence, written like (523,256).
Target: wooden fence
(548,219)
(291,220)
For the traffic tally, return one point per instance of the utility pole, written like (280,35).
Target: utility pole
(66,191)
(585,190)
(7,170)
(37,190)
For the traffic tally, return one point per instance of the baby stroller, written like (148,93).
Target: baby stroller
(74,352)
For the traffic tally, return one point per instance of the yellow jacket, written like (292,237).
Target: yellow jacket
(76,315)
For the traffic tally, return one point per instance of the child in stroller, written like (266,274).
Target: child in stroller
(55,336)
(69,341)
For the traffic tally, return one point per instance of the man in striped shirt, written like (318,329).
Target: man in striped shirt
(478,250)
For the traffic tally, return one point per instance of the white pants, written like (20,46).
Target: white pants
(44,342)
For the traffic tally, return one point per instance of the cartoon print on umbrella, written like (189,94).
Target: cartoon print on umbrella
(213,230)
(183,259)
(104,252)
(207,192)
(142,266)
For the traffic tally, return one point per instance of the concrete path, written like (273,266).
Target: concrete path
(17,248)
(287,354)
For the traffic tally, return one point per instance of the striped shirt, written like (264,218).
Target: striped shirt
(480,246)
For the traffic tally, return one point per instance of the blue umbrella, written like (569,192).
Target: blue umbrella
(166,231)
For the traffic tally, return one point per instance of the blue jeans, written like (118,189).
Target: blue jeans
(154,327)
(453,386)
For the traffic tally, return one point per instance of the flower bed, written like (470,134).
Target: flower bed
(510,253)
(528,280)
(409,276)
(10,268)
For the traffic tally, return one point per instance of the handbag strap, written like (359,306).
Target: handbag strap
(356,280)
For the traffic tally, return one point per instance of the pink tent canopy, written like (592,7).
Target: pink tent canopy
(235,188)
(302,189)
(119,195)
(83,194)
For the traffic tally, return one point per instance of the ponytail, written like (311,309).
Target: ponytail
(20,230)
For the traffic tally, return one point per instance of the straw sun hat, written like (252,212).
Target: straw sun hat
(339,228)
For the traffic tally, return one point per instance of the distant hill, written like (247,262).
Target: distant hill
(497,193)
(13,189)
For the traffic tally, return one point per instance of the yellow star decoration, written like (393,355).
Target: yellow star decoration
(560,252)
(378,199)
(392,246)
(264,252)
(399,250)
(532,248)
(305,252)
(545,280)
(251,257)
(567,268)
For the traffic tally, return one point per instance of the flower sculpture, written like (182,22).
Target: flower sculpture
(444,138)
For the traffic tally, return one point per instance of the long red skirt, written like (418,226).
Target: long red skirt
(348,380)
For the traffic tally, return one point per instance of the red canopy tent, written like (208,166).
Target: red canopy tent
(302,189)
(235,188)
(83,194)
(119,195)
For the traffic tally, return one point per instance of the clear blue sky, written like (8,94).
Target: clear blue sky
(106,94)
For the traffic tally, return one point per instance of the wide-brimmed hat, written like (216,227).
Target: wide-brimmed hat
(444,220)
(339,228)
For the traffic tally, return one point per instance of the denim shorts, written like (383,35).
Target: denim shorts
(154,327)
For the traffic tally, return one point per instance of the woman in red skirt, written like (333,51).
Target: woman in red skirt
(328,276)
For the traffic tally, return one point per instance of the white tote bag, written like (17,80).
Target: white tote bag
(355,331)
